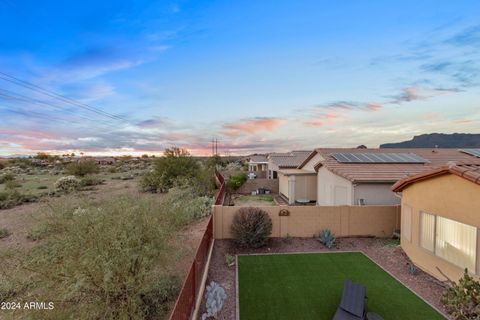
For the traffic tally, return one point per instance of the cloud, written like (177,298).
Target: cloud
(323,119)
(410,94)
(350,106)
(251,126)
(155,123)
(467,37)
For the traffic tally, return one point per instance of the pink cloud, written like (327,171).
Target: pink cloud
(251,126)
(324,119)
(373,107)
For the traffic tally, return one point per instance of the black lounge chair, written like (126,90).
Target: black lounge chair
(352,305)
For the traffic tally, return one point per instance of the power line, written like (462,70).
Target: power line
(19,97)
(36,88)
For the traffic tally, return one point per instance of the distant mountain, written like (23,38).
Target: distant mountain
(442,140)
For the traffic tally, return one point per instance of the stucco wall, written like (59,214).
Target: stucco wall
(448,196)
(375,194)
(308,221)
(283,184)
(253,184)
(306,187)
(328,184)
(310,165)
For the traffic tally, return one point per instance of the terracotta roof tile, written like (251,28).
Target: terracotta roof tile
(469,171)
(389,172)
(289,160)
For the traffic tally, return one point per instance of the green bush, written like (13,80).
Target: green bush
(185,206)
(82,168)
(42,187)
(11,198)
(235,182)
(105,254)
(159,296)
(251,227)
(7,177)
(4,232)
(67,184)
(12,185)
(175,164)
(89,181)
(462,299)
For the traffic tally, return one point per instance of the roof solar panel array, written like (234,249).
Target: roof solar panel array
(378,158)
(472,152)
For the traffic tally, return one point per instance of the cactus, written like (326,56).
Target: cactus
(215,297)
(412,269)
(327,238)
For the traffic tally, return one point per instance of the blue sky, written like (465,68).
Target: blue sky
(259,75)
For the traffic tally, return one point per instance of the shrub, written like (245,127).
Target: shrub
(184,206)
(12,185)
(251,227)
(159,295)
(11,198)
(176,163)
(235,182)
(42,187)
(104,255)
(82,168)
(327,238)
(67,184)
(7,177)
(90,181)
(4,232)
(462,299)
(2,165)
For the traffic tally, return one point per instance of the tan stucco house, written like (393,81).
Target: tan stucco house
(353,176)
(257,162)
(441,220)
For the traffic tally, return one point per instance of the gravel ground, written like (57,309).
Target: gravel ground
(384,252)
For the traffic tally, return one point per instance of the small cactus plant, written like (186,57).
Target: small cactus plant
(412,269)
(327,238)
(215,296)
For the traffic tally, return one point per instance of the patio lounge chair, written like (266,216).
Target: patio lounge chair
(352,305)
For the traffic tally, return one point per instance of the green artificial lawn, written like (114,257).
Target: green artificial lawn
(309,286)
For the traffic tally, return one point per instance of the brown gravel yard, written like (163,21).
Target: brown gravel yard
(385,253)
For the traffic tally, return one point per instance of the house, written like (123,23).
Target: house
(257,162)
(359,176)
(287,160)
(441,219)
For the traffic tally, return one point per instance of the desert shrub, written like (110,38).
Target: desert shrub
(176,163)
(67,184)
(235,182)
(2,165)
(104,254)
(159,296)
(42,187)
(185,206)
(82,168)
(112,170)
(462,299)
(327,238)
(12,184)
(10,198)
(4,232)
(251,227)
(7,177)
(23,163)
(90,181)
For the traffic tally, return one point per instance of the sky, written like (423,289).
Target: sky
(135,77)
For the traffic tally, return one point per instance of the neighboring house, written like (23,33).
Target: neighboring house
(104,160)
(359,176)
(287,160)
(257,162)
(441,220)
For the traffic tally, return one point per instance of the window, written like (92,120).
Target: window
(407,222)
(427,231)
(456,242)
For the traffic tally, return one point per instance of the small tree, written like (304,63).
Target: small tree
(235,182)
(251,227)
(462,299)
(175,164)
(82,168)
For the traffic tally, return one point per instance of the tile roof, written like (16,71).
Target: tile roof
(389,172)
(258,158)
(467,171)
(290,159)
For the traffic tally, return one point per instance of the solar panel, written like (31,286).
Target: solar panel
(472,152)
(380,157)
